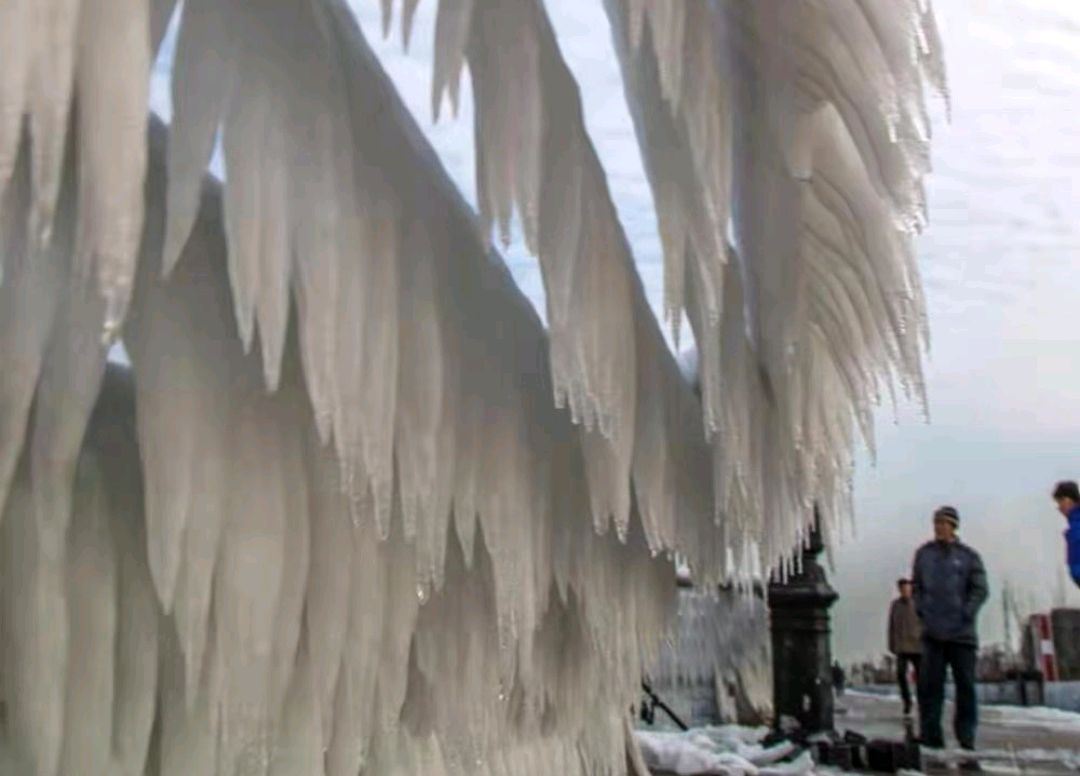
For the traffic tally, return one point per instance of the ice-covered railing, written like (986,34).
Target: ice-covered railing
(364,518)
(806,124)
(825,172)
(271,655)
(534,155)
(798,132)
(296,639)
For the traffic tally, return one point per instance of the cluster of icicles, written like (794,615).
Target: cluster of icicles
(721,642)
(352,509)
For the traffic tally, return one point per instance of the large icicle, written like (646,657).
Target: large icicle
(679,97)
(98,652)
(183,347)
(511,447)
(828,186)
(100,52)
(92,615)
(112,76)
(31,287)
(810,117)
(534,154)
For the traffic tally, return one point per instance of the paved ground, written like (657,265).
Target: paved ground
(1011,740)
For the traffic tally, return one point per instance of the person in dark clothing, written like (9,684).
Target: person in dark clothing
(838,678)
(905,639)
(1067,496)
(949,583)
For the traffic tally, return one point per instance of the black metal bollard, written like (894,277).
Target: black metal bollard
(802,654)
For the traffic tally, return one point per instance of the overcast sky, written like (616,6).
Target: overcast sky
(1000,261)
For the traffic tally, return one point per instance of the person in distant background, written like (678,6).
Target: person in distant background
(838,678)
(1067,496)
(905,639)
(949,586)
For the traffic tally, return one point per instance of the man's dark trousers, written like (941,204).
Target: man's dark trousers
(902,663)
(936,656)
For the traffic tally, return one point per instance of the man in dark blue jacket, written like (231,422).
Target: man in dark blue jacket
(1067,496)
(949,586)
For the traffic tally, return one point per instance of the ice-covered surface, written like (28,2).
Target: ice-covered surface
(727,750)
(720,650)
(381,517)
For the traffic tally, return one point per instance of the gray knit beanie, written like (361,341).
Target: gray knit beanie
(950,514)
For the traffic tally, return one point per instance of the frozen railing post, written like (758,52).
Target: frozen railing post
(801,651)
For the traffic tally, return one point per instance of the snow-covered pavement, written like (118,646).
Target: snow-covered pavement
(1012,740)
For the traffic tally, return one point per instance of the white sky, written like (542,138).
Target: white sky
(1000,261)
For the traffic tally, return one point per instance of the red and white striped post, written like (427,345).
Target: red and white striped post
(1043,635)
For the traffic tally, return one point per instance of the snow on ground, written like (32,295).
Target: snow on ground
(1012,739)
(1027,757)
(1033,716)
(1042,717)
(1052,737)
(727,750)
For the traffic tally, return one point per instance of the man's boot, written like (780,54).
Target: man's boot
(968,763)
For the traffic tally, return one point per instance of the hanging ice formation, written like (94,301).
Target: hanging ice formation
(335,519)
(717,667)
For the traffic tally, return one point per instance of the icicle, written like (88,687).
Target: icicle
(68,387)
(193,593)
(92,615)
(298,747)
(549,170)
(161,13)
(201,80)
(407,13)
(113,438)
(31,288)
(189,741)
(355,704)
(54,39)
(399,621)
(243,138)
(721,639)
(287,624)
(276,258)
(113,88)
(250,582)
(17,19)
(329,583)
(136,663)
(452,27)
(685,138)
(37,630)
